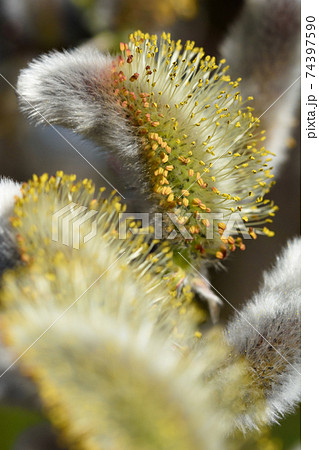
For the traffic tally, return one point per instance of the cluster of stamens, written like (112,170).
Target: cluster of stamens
(200,141)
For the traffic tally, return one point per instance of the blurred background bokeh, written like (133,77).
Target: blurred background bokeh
(31,27)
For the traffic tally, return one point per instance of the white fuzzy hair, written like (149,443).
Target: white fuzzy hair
(267,333)
(263,48)
(14,388)
(69,89)
(8,251)
(8,190)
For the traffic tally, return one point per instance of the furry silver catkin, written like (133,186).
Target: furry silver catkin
(263,48)
(267,332)
(14,389)
(67,89)
(8,250)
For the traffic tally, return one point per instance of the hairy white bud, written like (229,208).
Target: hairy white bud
(14,389)
(68,89)
(267,333)
(264,48)
(8,252)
